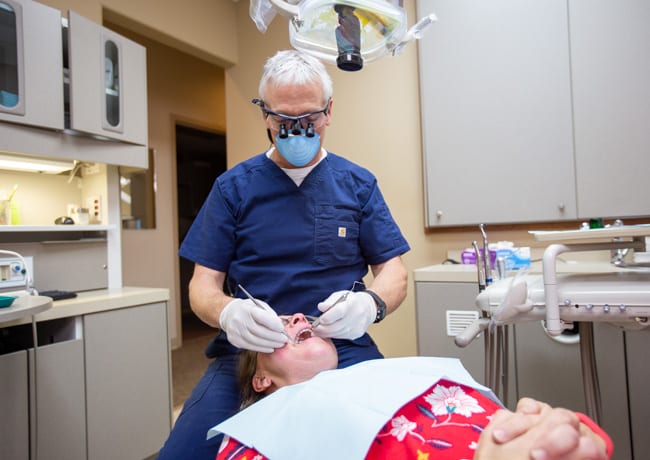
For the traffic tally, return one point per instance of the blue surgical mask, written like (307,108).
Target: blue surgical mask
(298,150)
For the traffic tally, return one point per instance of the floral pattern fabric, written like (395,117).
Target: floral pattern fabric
(443,423)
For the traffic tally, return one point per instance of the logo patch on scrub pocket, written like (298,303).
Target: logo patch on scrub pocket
(342,232)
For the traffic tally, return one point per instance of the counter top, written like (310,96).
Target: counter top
(94,302)
(23,308)
(459,273)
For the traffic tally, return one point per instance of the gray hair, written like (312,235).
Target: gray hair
(291,67)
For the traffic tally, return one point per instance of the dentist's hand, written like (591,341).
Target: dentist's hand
(251,327)
(347,319)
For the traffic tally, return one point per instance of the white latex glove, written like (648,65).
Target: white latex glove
(253,328)
(349,318)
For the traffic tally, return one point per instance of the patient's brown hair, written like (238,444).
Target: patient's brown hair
(247,368)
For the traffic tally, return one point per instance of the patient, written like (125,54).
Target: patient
(452,419)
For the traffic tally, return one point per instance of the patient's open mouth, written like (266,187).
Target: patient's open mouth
(303,334)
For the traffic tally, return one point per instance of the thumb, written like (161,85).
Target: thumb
(331,300)
(269,319)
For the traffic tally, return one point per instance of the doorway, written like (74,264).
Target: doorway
(200,158)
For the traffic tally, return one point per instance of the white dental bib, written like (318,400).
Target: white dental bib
(347,406)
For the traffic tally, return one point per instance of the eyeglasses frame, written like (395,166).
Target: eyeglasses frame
(296,124)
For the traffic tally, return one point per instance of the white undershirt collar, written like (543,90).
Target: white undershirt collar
(298,174)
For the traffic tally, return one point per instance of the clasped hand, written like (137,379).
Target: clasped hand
(537,431)
(253,328)
(348,318)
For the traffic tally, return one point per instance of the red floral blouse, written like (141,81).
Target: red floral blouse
(444,422)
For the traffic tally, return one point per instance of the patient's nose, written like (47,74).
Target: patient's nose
(297,318)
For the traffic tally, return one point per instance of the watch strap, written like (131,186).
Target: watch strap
(381,305)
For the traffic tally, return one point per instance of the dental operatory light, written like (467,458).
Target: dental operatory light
(343,32)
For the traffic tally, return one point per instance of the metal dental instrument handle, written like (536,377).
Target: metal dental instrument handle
(486,256)
(479,267)
(339,300)
(487,342)
(263,307)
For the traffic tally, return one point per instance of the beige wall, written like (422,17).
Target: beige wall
(185,90)
(204,28)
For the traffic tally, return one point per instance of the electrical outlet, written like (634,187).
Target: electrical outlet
(94,205)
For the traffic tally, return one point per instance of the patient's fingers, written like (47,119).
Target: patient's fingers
(530,406)
(585,449)
(592,449)
(555,442)
(559,438)
(506,425)
(565,441)
(551,434)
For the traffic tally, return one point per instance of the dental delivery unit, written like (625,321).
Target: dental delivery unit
(621,298)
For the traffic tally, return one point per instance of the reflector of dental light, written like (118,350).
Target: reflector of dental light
(347,33)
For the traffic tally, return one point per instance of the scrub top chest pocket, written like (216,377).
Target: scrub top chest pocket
(336,236)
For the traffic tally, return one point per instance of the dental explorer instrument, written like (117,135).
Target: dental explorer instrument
(258,304)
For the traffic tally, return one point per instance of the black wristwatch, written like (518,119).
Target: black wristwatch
(381,305)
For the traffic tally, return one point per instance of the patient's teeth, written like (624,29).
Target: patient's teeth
(303,335)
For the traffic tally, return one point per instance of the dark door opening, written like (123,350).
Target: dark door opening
(200,158)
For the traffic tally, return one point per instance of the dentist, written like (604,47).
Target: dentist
(298,227)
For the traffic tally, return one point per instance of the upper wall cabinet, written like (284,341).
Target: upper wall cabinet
(610,68)
(535,111)
(108,86)
(496,112)
(31,64)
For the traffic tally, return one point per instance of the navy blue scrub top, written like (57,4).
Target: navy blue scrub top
(289,245)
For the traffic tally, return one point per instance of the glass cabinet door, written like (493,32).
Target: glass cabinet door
(112,101)
(11,57)
(108,99)
(31,65)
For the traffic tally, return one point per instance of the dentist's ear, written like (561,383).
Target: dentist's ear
(328,118)
(261,383)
